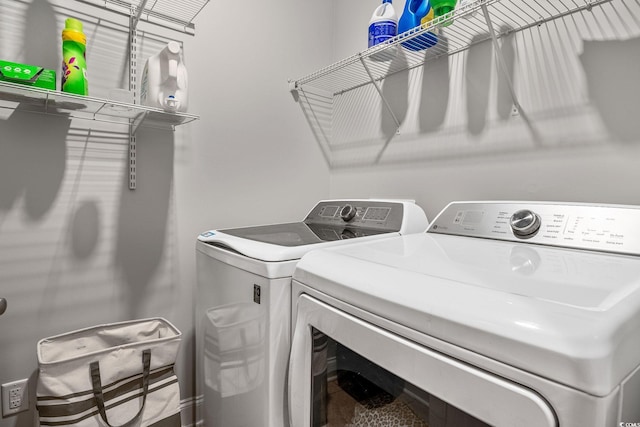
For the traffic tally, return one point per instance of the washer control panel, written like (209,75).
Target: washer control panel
(374,214)
(608,228)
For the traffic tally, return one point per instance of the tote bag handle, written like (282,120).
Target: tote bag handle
(97,388)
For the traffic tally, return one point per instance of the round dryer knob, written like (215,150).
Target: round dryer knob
(347,213)
(524,223)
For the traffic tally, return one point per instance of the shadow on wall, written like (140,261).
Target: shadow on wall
(41,46)
(505,98)
(29,164)
(478,78)
(143,216)
(85,229)
(612,69)
(434,99)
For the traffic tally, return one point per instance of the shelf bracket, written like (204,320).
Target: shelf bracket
(133,50)
(293,88)
(134,18)
(132,161)
(46,103)
(502,66)
(133,128)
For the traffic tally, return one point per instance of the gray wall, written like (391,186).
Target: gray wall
(577,79)
(77,247)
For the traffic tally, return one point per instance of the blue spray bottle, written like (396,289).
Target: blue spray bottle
(415,14)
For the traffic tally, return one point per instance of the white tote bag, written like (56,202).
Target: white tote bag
(119,374)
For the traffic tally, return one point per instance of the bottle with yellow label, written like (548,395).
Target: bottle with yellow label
(74,61)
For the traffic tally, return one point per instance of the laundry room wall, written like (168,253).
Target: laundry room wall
(251,159)
(77,247)
(575,77)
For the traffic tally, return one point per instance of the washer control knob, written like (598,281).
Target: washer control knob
(347,213)
(524,223)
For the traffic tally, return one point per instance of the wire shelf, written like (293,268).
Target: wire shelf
(468,26)
(523,71)
(26,98)
(170,13)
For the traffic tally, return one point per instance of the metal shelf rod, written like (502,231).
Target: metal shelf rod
(503,68)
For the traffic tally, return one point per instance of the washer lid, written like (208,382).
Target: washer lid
(568,315)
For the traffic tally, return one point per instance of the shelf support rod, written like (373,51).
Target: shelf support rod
(384,100)
(502,66)
(387,106)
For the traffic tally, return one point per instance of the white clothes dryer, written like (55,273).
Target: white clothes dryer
(502,314)
(244,303)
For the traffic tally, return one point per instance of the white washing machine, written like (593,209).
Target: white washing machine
(502,314)
(243,305)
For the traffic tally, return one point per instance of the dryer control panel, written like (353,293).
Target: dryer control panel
(608,228)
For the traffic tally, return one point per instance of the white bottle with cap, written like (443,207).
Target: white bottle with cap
(164,80)
(382,27)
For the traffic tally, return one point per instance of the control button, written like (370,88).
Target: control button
(347,213)
(524,223)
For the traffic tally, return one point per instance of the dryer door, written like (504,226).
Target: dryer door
(344,371)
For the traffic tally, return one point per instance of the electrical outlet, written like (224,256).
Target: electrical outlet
(15,397)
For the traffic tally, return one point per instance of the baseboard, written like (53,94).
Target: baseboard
(188,411)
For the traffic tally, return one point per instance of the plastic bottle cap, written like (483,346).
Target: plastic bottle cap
(386,1)
(174,47)
(73,24)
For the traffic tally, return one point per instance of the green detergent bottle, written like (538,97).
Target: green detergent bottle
(74,61)
(442,7)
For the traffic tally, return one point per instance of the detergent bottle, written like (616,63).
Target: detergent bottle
(74,62)
(382,27)
(417,13)
(164,80)
(383,24)
(442,7)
